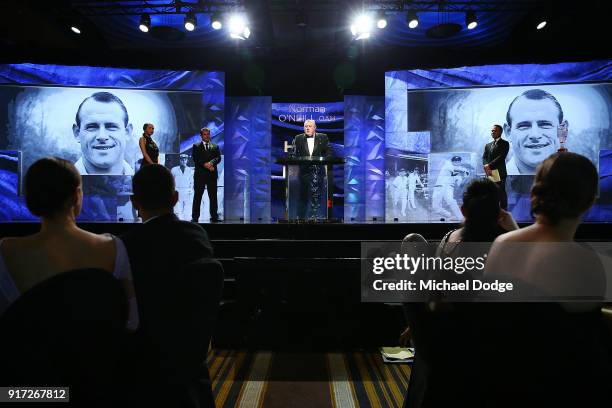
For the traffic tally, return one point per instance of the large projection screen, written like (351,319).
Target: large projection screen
(444,127)
(98,130)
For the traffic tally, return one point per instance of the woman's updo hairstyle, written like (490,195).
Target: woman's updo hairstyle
(565,186)
(49,184)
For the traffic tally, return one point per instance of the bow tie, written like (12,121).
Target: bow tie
(309,137)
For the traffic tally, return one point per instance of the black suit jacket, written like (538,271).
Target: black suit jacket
(201,156)
(495,156)
(321,146)
(158,247)
(158,251)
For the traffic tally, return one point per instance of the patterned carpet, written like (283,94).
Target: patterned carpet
(271,380)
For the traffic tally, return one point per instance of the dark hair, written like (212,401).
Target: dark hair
(537,95)
(501,129)
(144,127)
(105,97)
(153,187)
(565,186)
(481,208)
(456,158)
(49,184)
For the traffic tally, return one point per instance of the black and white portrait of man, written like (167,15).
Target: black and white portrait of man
(102,128)
(93,127)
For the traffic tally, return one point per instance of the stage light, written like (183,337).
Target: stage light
(215,21)
(541,25)
(75,29)
(145,23)
(362,27)
(190,21)
(470,20)
(238,27)
(381,21)
(412,19)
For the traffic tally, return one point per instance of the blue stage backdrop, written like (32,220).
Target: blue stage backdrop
(247,177)
(287,122)
(438,121)
(364,146)
(38,106)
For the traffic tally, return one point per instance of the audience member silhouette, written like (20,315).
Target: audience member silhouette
(161,251)
(554,353)
(53,193)
(440,328)
(68,331)
(484,220)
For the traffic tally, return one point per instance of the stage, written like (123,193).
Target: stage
(228,231)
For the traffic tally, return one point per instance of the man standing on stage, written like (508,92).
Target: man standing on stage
(310,144)
(494,158)
(206,156)
(183,179)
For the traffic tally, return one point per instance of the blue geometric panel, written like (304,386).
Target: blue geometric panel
(37,74)
(12,205)
(600,70)
(248,167)
(364,142)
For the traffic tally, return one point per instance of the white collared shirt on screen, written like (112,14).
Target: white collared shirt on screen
(126,171)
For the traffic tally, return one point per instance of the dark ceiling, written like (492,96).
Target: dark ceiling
(316,62)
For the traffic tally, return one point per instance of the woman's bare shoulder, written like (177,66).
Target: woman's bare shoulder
(9,245)
(94,249)
(455,236)
(99,242)
(507,237)
(520,235)
(99,239)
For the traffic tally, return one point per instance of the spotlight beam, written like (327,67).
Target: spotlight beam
(361,26)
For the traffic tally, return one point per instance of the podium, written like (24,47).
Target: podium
(309,187)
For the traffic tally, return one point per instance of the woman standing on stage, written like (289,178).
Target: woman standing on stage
(148,147)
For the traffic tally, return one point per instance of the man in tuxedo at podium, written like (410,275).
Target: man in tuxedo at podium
(494,158)
(206,156)
(311,144)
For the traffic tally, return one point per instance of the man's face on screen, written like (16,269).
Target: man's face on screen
(309,128)
(534,130)
(102,134)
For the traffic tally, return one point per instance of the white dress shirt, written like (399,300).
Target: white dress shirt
(310,141)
